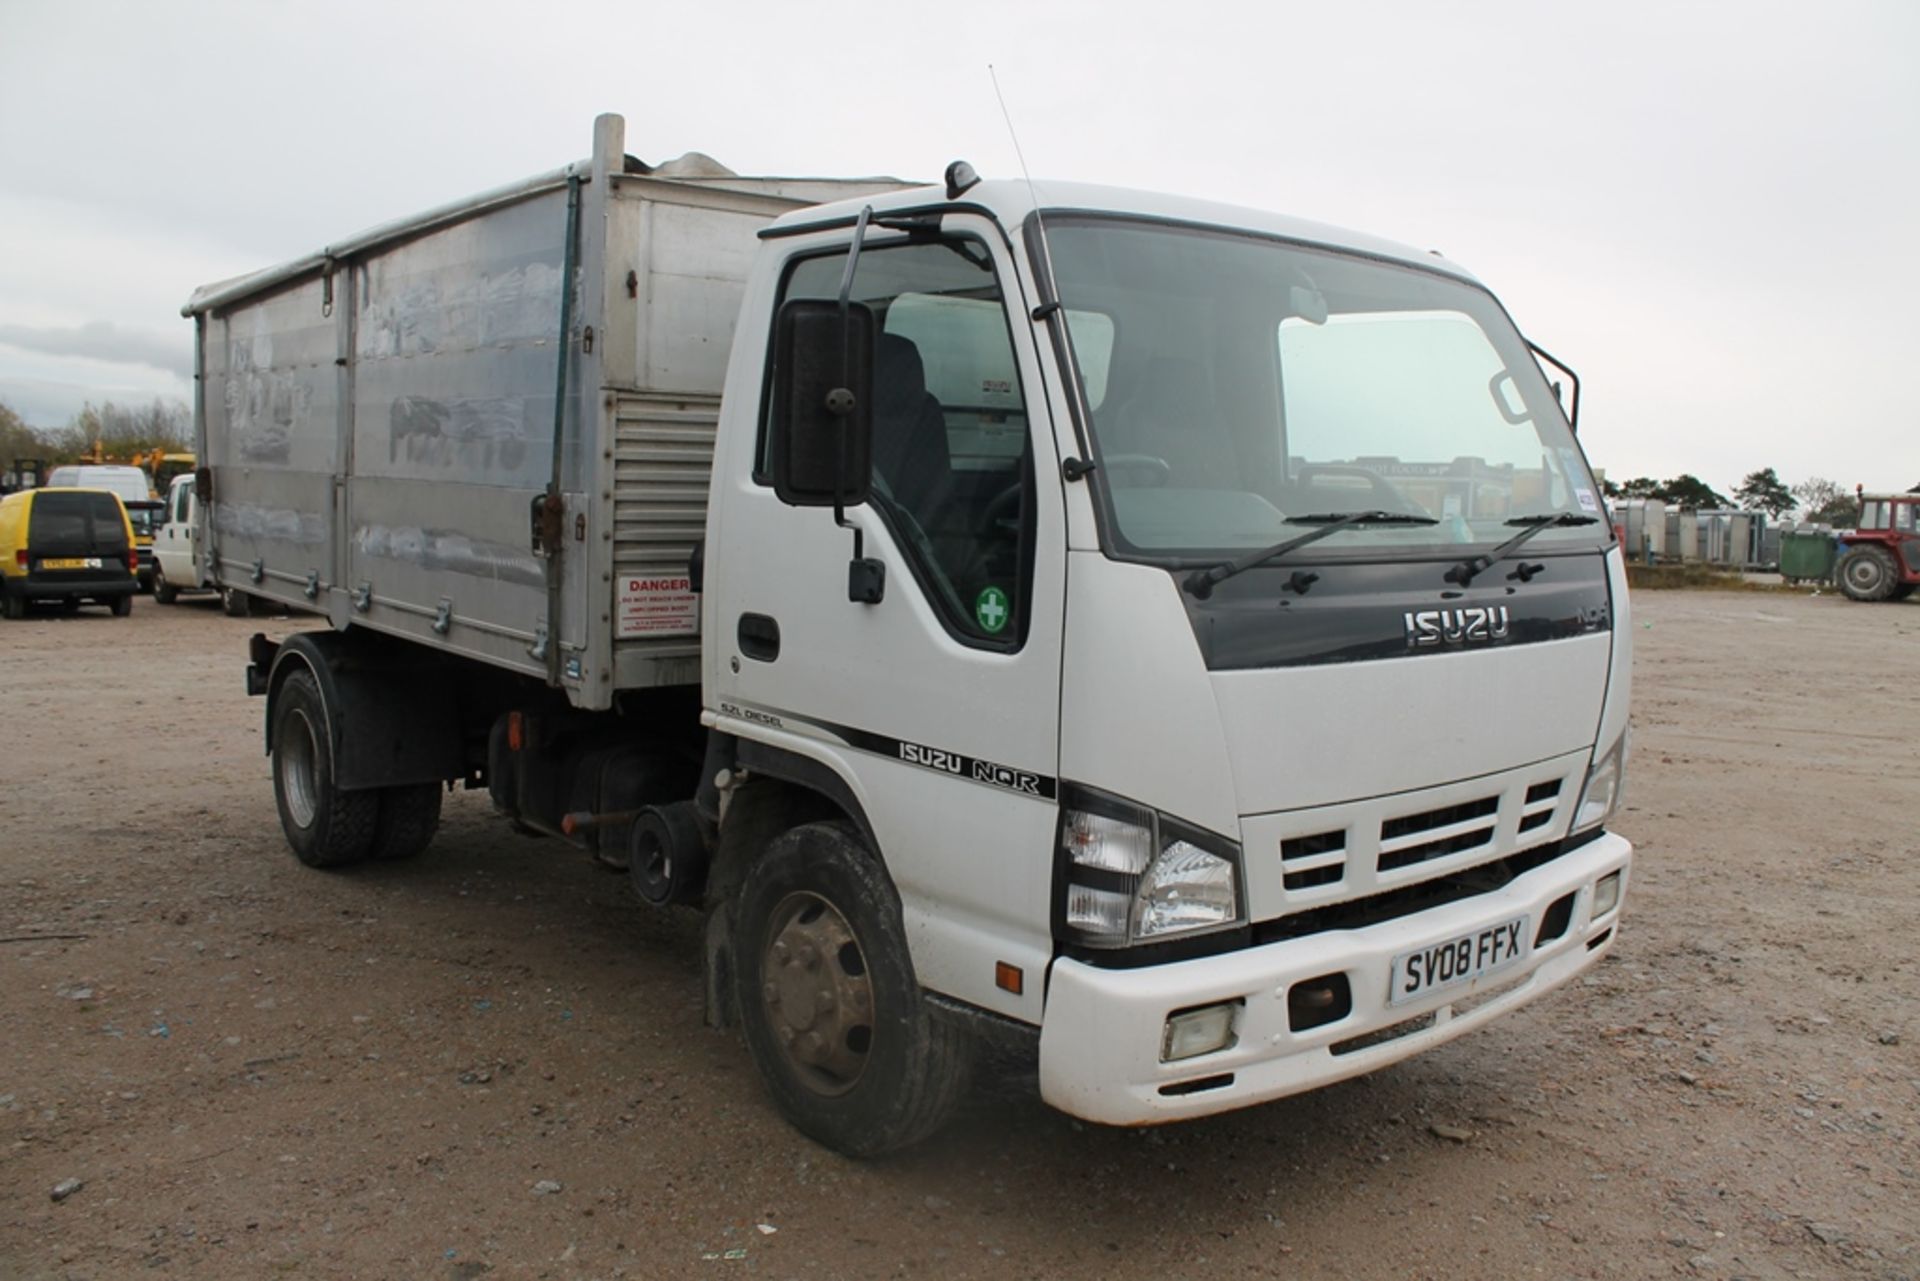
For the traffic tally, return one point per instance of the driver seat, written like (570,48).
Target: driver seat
(910,450)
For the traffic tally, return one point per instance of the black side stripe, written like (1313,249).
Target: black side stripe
(939,759)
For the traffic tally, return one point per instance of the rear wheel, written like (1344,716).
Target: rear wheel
(164,592)
(121,606)
(325,826)
(15,603)
(233,602)
(409,816)
(1867,573)
(833,1013)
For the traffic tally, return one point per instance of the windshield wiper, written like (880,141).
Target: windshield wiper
(1465,572)
(1201,582)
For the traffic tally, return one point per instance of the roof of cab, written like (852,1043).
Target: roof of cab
(1011,202)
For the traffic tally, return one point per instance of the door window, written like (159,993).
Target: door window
(952,460)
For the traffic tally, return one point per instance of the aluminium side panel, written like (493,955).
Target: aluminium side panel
(455,346)
(270,433)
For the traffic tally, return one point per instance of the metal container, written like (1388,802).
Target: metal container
(1646,524)
(1685,528)
(394,438)
(1806,556)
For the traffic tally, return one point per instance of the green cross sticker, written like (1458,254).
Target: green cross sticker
(990,607)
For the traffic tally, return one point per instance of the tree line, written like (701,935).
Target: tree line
(1819,500)
(120,430)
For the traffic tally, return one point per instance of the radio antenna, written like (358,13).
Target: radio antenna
(1053,286)
(1053,308)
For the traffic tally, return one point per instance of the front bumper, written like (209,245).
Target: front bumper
(1101,1035)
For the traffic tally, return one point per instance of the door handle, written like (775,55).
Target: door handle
(759,637)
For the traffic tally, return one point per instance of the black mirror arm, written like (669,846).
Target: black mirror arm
(840,400)
(866,579)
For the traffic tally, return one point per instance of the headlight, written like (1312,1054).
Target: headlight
(1130,875)
(1606,782)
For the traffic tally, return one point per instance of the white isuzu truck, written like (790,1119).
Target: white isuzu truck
(1179,643)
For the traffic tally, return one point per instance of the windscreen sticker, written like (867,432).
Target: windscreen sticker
(991,610)
(656,605)
(1586,500)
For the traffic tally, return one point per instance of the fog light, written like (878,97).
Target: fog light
(1191,1033)
(1606,895)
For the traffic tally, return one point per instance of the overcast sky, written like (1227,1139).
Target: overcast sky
(1707,209)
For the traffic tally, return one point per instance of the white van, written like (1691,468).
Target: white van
(124,479)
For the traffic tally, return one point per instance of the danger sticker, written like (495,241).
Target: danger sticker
(656,605)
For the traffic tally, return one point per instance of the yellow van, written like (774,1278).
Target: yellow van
(135,488)
(69,545)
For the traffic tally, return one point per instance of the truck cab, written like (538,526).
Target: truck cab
(1248,691)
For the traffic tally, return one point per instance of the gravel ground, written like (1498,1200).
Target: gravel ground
(488,1062)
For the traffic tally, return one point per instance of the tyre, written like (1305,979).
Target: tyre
(164,592)
(121,606)
(15,604)
(325,826)
(1867,573)
(234,602)
(409,816)
(833,1014)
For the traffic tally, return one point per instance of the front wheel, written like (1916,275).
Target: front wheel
(833,1014)
(1867,573)
(325,826)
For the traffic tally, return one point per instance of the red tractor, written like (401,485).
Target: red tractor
(1881,559)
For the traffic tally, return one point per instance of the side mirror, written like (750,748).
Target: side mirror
(820,432)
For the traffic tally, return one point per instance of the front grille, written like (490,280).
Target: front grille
(1451,829)
(1542,798)
(1319,859)
(1417,896)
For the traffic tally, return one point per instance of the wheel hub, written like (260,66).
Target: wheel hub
(296,761)
(818,995)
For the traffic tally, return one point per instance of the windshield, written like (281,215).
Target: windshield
(1246,381)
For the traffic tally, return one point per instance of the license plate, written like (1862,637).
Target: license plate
(71,562)
(1452,962)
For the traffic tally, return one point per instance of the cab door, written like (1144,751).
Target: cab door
(173,544)
(938,706)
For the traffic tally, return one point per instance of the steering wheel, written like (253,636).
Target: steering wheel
(999,507)
(1157,469)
